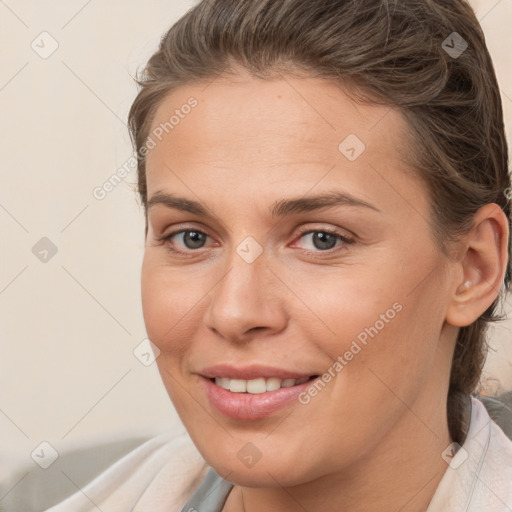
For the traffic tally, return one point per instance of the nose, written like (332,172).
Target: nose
(246,302)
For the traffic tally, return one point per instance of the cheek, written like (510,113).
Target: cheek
(374,324)
(346,305)
(169,303)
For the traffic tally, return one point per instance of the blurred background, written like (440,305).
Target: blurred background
(75,370)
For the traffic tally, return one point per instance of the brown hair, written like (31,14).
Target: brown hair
(382,51)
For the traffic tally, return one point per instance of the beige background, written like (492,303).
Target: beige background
(69,326)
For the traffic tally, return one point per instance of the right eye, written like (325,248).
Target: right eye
(189,239)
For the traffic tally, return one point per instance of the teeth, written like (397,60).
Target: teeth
(273,384)
(223,382)
(257,386)
(238,386)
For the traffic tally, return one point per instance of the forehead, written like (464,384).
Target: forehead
(246,131)
(264,113)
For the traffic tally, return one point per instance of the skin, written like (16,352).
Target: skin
(372,439)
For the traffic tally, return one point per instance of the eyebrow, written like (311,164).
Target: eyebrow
(280,208)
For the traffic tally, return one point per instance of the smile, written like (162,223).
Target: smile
(254,398)
(259,385)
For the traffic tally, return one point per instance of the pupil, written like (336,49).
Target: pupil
(324,240)
(193,239)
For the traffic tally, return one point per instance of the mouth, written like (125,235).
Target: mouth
(255,397)
(258,385)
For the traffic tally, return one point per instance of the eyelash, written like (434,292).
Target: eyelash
(344,239)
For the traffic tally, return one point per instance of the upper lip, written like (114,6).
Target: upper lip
(254,371)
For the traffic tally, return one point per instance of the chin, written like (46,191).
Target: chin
(265,476)
(275,470)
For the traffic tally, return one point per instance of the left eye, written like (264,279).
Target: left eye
(323,240)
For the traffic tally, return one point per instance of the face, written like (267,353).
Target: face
(297,267)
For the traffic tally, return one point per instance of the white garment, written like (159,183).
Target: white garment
(479,477)
(163,473)
(158,476)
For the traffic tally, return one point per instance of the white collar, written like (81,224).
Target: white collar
(479,476)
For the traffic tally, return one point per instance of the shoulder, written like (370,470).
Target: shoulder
(495,478)
(479,476)
(159,475)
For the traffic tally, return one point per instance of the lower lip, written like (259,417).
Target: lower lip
(248,406)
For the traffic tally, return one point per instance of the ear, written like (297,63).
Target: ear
(483,263)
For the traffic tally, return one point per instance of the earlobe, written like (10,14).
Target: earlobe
(483,264)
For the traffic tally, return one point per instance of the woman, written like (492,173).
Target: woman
(327,227)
